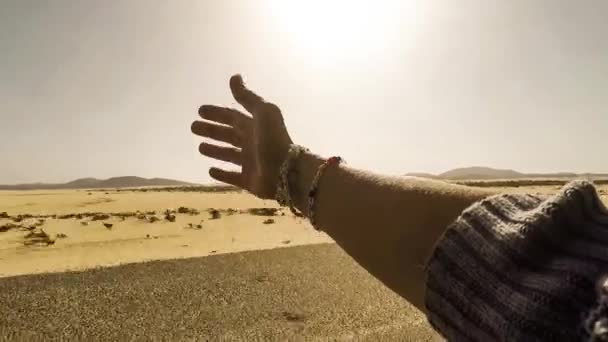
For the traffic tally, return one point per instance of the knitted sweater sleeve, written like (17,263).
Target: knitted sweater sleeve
(518,267)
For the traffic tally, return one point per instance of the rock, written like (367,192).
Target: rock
(100,216)
(263,211)
(151,212)
(7,226)
(268,221)
(61,236)
(199,226)
(107,225)
(215,214)
(89,194)
(125,214)
(262,278)
(294,316)
(147,236)
(4,214)
(17,219)
(153,219)
(38,237)
(66,216)
(84,223)
(29,223)
(170,217)
(231,211)
(79,216)
(186,210)
(141,216)
(286,242)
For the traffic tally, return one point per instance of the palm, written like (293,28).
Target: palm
(259,142)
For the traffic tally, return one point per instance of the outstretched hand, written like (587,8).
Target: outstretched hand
(260,141)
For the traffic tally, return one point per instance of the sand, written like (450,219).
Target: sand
(135,240)
(235,278)
(283,294)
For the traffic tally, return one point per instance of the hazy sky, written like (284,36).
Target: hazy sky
(109,88)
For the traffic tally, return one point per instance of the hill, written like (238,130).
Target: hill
(487,173)
(89,183)
(479,172)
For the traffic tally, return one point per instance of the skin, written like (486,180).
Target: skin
(389,225)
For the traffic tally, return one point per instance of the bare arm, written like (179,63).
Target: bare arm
(389,225)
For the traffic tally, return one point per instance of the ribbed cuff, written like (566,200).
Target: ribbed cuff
(520,267)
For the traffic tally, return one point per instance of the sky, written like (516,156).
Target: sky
(110,88)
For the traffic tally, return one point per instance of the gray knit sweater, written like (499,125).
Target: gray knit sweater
(523,268)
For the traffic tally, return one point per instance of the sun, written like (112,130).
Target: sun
(331,31)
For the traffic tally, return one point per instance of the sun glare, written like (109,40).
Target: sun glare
(333,31)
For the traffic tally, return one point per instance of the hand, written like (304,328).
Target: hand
(259,142)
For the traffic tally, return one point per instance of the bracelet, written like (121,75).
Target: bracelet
(283,194)
(315,185)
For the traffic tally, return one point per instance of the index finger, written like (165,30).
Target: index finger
(223,115)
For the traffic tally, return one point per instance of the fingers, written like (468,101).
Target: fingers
(227,154)
(247,98)
(216,132)
(230,177)
(223,115)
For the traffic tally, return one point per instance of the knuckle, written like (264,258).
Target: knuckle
(270,107)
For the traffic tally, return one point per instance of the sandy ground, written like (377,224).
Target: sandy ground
(284,294)
(135,240)
(233,277)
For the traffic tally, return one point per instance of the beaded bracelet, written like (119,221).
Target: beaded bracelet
(283,195)
(315,185)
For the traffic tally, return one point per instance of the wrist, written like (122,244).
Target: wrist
(287,177)
(305,169)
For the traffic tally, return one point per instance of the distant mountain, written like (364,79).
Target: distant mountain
(486,173)
(479,172)
(90,183)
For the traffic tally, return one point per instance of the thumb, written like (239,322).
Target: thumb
(251,101)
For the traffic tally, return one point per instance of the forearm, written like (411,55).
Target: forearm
(389,225)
